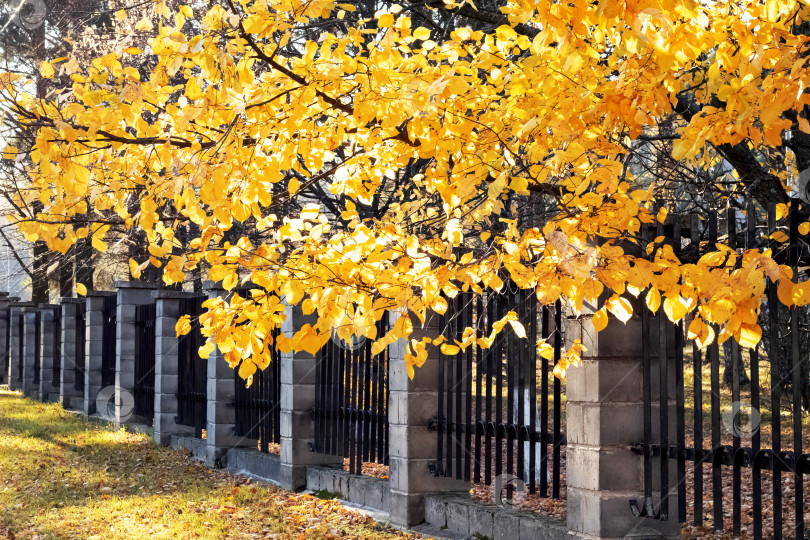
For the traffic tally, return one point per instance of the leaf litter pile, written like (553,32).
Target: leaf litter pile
(64,477)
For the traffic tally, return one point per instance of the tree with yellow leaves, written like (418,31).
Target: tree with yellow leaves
(359,161)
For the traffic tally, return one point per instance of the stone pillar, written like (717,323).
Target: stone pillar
(298,378)
(30,328)
(605,417)
(93,348)
(48,384)
(166,366)
(130,294)
(15,372)
(412,404)
(220,435)
(69,396)
(5,340)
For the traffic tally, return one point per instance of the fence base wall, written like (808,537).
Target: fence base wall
(5,320)
(30,379)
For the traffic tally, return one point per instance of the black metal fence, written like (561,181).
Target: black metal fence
(57,347)
(742,438)
(258,407)
(20,345)
(192,370)
(500,408)
(37,345)
(144,390)
(351,401)
(81,320)
(4,355)
(108,337)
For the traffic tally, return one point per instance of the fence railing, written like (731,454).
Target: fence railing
(742,436)
(57,347)
(37,346)
(258,407)
(192,370)
(108,337)
(144,390)
(351,401)
(500,408)
(78,366)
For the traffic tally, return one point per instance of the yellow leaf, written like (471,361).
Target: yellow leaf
(449,350)
(781,211)
(99,244)
(517,327)
(81,289)
(132,50)
(247,369)
(46,70)
(749,335)
(293,186)
(206,350)
(675,308)
(620,307)
(804,228)
(144,25)
(120,14)
(134,269)
(600,319)
(653,300)
(386,20)
(183,325)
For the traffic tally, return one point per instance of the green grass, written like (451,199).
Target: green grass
(64,477)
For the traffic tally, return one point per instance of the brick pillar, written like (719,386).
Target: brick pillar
(48,385)
(69,396)
(166,366)
(5,320)
(93,348)
(29,388)
(221,391)
(130,294)
(412,404)
(605,416)
(15,372)
(298,377)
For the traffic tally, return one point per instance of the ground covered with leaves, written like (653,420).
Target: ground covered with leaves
(64,477)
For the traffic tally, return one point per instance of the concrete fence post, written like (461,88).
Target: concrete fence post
(48,384)
(412,404)
(30,379)
(605,414)
(15,368)
(166,366)
(5,320)
(69,396)
(130,295)
(298,379)
(93,348)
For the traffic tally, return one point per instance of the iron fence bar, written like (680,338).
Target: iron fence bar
(731,219)
(679,393)
(499,392)
(714,358)
(776,393)
(57,347)
(555,480)
(478,389)
(108,341)
(489,360)
(78,366)
(37,344)
(663,411)
(468,323)
(544,408)
(697,373)
(533,404)
(796,361)
(756,475)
